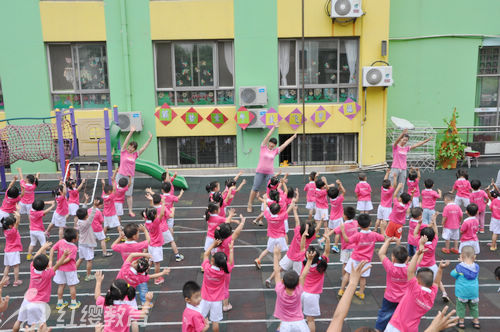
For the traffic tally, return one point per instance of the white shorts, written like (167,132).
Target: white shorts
(167,236)
(364,206)
(345,255)
(33,312)
(391,328)
(296,326)
(495,226)
(311,205)
(208,243)
(287,264)
(332,224)
(310,304)
(24,208)
(3,214)
(415,202)
(132,303)
(37,237)
(321,214)
(85,252)
(99,235)
(434,269)
(73,207)
(272,242)
(119,210)
(111,221)
(12,258)
(157,253)
(69,278)
(473,244)
(383,213)
(352,264)
(287,228)
(170,223)
(450,234)
(212,307)
(263,207)
(58,220)
(462,201)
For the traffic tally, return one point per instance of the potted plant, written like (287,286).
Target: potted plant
(452,146)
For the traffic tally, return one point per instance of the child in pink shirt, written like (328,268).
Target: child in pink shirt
(213,220)
(192,319)
(452,217)
(350,228)
(463,188)
(37,231)
(97,224)
(231,188)
(29,186)
(11,198)
(397,218)
(385,207)
(415,218)
(364,244)
(413,186)
(480,198)
(109,211)
(153,220)
(310,189)
(13,247)
(213,287)
(321,199)
(363,192)
(429,198)
(336,195)
(120,188)
(469,229)
(74,197)
(495,217)
(62,210)
(170,199)
(289,291)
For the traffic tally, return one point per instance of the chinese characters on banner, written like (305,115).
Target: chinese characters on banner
(295,119)
(350,108)
(320,116)
(243,117)
(217,118)
(271,118)
(165,114)
(191,118)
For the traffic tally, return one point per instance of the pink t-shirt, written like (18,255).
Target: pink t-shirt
(364,244)
(453,215)
(495,208)
(364,191)
(463,188)
(62,245)
(170,200)
(12,240)
(155,233)
(288,308)
(192,319)
(9,204)
(117,318)
(62,205)
(429,258)
(416,302)
(41,283)
(275,224)
(321,198)
(469,229)
(127,163)
(313,283)
(29,192)
(351,228)
(97,221)
(337,209)
(309,189)
(266,160)
(224,196)
(399,154)
(479,197)
(130,275)
(120,193)
(411,239)
(212,288)
(396,280)
(74,196)
(294,252)
(398,213)
(163,224)
(109,205)
(128,247)
(386,197)
(413,187)
(213,221)
(36,220)
(429,198)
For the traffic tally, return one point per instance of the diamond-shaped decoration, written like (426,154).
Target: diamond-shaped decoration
(217,118)
(191,118)
(165,114)
(271,118)
(320,116)
(243,117)
(350,108)
(295,119)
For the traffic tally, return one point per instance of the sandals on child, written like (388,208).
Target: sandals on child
(257,264)
(477,326)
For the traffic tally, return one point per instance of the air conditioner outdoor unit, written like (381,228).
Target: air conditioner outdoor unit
(346,8)
(377,76)
(128,119)
(253,96)
(257,115)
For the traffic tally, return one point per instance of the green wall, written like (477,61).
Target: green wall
(434,75)
(256,63)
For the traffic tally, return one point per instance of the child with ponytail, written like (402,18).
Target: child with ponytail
(62,210)
(153,220)
(13,247)
(214,219)
(29,185)
(211,189)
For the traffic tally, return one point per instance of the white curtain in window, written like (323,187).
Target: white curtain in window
(229,56)
(188,48)
(284,55)
(351,50)
(312,62)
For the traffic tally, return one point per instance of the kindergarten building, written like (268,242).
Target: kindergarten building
(180,66)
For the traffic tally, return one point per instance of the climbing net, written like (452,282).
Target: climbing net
(34,142)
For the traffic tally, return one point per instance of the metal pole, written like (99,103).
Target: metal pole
(116,119)
(303,62)
(2,176)
(60,141)
(76,153)
(109,157)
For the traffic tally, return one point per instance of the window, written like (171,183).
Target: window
(320,149)
(330,73)
(198,151)
(78,75)
(1,97)
(194,73)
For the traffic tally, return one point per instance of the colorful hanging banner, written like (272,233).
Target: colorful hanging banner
(320,116)
(271,118)
(165,114)
(192,118)
(217,118)
(243,117)
(295,119)
(350,108)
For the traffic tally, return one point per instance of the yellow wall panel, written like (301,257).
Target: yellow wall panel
(73,21)
(194,19)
